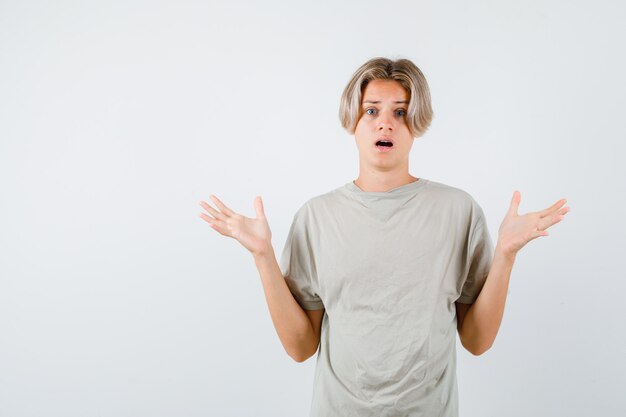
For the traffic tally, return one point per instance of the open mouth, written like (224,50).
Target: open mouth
(384,145)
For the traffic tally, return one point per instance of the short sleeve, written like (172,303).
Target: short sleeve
(479,255)
(297,263)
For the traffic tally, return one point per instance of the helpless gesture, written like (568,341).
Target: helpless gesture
(517,230)
(253,234)
(481,321)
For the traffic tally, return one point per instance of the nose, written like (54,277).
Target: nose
(385,122)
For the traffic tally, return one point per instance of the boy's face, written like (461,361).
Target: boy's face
(384,106)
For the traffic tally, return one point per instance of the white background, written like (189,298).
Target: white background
(117,118)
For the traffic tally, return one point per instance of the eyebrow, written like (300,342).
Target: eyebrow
(378,101)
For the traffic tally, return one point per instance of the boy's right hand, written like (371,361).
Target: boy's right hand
(253,234)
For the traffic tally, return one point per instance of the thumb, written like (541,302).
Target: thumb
(258,207)
(515,202)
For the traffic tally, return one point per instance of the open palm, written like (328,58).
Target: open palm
(253,234)
(517,230)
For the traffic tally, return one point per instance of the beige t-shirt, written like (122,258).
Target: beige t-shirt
(387,267)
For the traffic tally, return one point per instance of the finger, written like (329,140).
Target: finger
(258,206)
(214,223)
(222,206)
(207,218)
(213,212)
(553,207)
(550,221)
(515,200)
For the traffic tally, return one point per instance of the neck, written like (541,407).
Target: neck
(376,181)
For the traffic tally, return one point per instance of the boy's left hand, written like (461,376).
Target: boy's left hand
(516,231)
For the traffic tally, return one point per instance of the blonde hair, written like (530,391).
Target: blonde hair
(419,112)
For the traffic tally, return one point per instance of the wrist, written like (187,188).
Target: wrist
(503,252)
(263,253)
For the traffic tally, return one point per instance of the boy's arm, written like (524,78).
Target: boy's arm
(299,336)
(478,323)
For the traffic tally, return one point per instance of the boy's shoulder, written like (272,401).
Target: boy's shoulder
(447,191)
(321,200)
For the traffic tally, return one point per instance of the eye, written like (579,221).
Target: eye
(371,111)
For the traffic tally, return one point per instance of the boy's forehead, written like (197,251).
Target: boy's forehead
(385,90)
(373,101)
